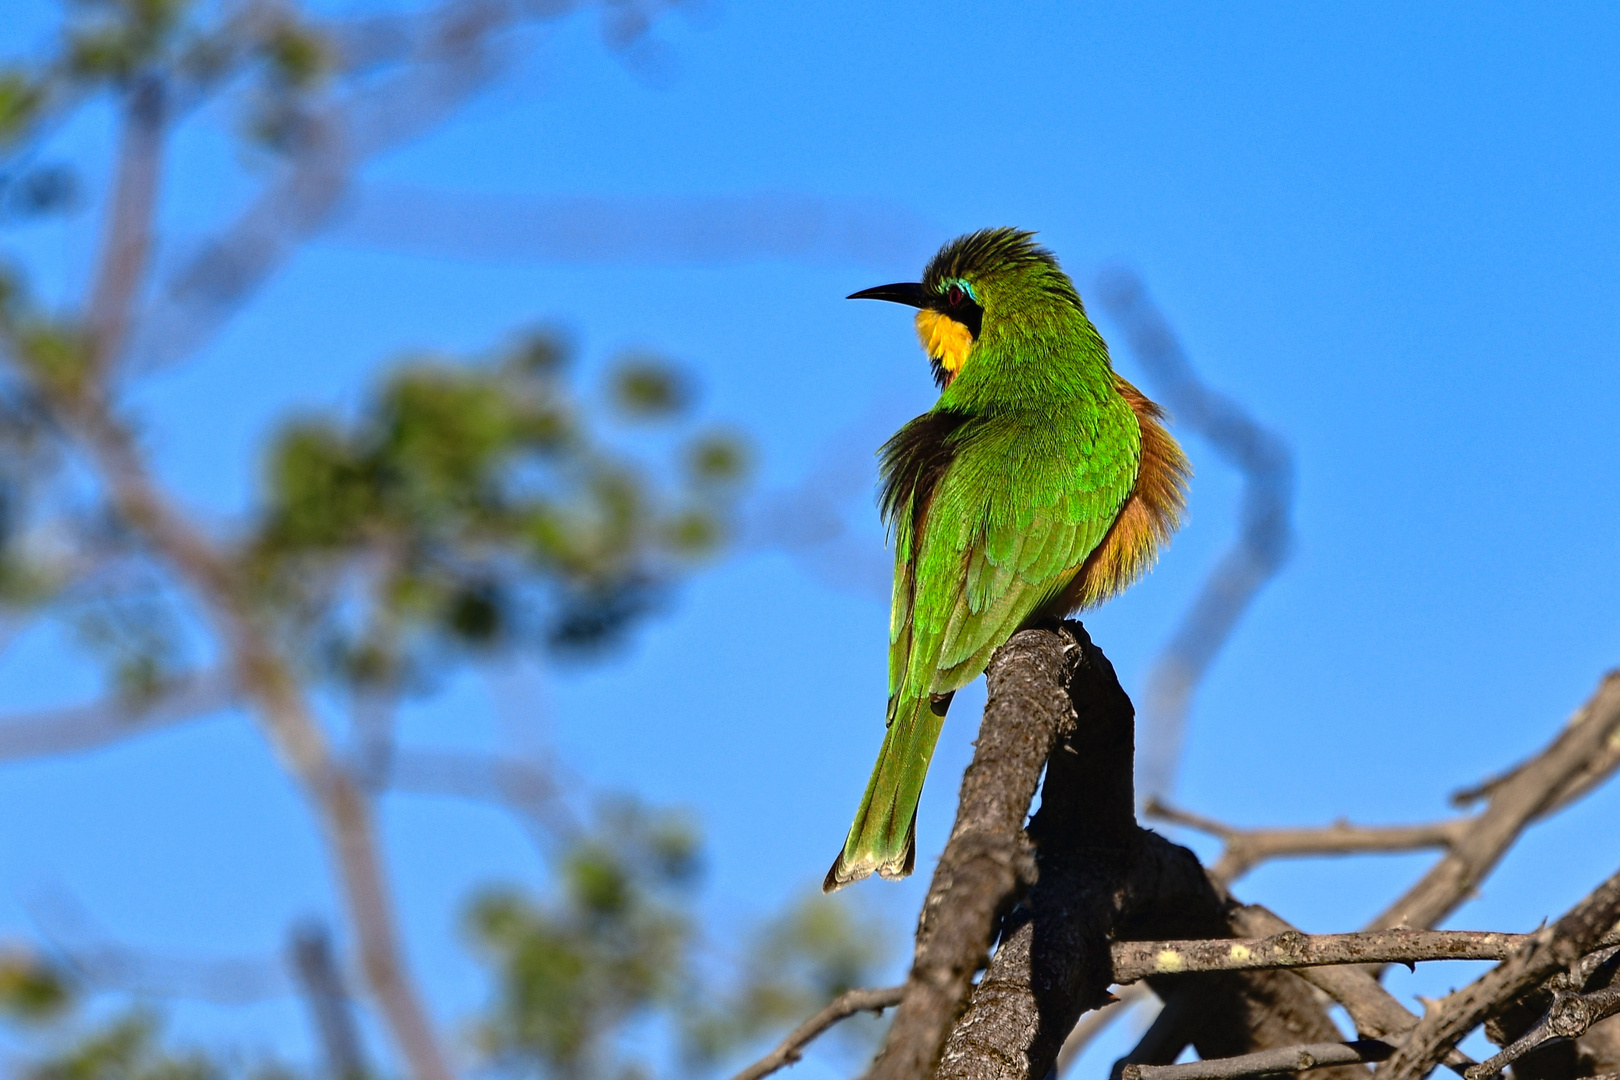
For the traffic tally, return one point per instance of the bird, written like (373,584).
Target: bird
(1041,483)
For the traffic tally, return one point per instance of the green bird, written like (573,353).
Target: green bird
(1039,484)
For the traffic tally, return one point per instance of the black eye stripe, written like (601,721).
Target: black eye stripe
(956,301)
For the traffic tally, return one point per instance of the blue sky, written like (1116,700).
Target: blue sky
(1389,231)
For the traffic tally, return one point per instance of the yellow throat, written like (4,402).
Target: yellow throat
(944,339)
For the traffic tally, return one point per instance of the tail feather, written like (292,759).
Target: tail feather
(883,839)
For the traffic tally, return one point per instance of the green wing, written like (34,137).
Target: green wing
(1012,517)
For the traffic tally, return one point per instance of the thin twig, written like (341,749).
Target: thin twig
(127,243)
(1570,1016)
(310,950)
(1265,1062)
(845,1005)
(1244,849)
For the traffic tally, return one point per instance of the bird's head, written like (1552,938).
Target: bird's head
(974,284)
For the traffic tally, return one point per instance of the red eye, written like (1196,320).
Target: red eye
(955,295)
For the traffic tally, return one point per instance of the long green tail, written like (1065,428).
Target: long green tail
(884,836)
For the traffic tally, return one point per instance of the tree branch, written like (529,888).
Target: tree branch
(310,950)
(1518,800)
(987,859)
(1570,1017)
(85,727)
(127,242)
(1543,954)
(265,679)
(1374,1010)
(1245,849)
(1283,1060)
(1135,960)
(845,1005)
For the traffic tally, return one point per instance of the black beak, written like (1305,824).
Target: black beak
(910,293)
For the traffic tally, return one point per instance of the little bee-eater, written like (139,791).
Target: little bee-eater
(1040,483)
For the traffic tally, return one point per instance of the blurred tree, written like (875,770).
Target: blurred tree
(468,505)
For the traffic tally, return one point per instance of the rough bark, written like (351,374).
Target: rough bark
(1102,877)
(988,859)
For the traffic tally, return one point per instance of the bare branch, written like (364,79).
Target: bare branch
(845,1005)
(85,727)
(1570,1017)
(1543,954)
(401,76)
(1517,801)
(1135,960)
(127,244)
(988,859)
(1264,536)
(101,961)
(1265,1062)
(527,788)
(1246,848)
(1374,1010)
(1594,772)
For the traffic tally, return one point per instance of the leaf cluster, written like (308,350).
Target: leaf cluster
(616,952)
(473,505)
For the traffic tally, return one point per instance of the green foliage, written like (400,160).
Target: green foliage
(612,946)
(296,54)
(113,39)
(20,97)
(644,387)
(32,990)
(618,947)
(471,504)
(126,1049)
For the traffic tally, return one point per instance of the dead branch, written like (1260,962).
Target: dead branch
(1543,954)
(1571,789)
(1245,849)
(85,727)
(1135,960)
(845,1005)
(987,859)
(1517,801)
(1570,1017)
(1102,876)
(1265,1062)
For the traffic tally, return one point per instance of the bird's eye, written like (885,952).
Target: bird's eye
(954,295)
